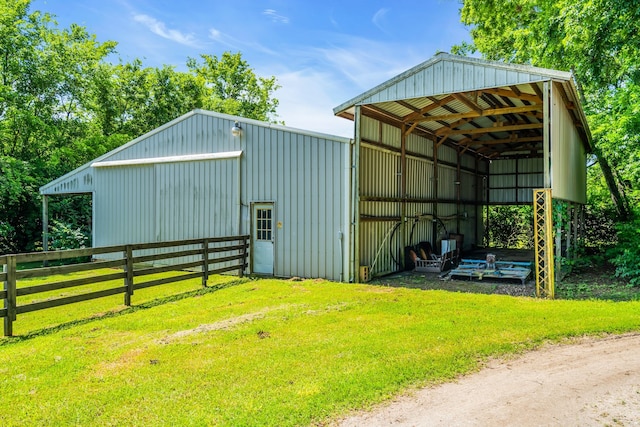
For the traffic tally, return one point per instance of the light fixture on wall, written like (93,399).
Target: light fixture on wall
(236,130)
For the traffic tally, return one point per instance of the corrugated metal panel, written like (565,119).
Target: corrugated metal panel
(449,73)
(420,145)
(531,165)
(79,182)
(468,186)
(502,166)
(568,155)
(380,243)
(385,179)
(447,187)
(468,161)
(419,178)
(305,177)
(447,154)
(124,205)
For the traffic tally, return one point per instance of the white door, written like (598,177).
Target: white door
(262,239)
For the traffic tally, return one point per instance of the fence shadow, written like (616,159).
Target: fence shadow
(4,341)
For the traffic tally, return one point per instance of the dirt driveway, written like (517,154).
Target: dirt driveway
(592,382)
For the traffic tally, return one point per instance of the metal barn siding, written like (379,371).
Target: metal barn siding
(306,177)
(192,178)
(446,73)
(124,205)
(568,155)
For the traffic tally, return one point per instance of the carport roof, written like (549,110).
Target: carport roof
(490,108)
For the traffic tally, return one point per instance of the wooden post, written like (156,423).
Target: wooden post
(10,302)
(205,262)
(128,280)
(45,227)
(403,194)
(244,257)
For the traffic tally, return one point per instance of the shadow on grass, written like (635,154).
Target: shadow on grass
(115,313)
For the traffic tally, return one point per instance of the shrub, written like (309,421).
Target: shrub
(65,236)
(626,255)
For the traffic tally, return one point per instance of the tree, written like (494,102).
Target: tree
(62,104)
(232,86)
(598,39)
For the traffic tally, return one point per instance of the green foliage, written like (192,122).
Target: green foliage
(511,227)
(232,86)
(62,105)
(599,40)
(7,238)
(626,255)
(64,236)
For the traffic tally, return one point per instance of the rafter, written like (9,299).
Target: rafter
(423,111)
(511,94)
(484,113)
(488,130)
(468,102)
(513,139)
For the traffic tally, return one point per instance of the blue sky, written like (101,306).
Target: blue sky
(322,52)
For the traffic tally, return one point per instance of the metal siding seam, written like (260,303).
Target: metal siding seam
(457,77)
(308,205)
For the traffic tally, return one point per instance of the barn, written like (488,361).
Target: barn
(207,174)
(432,147)
(438,143)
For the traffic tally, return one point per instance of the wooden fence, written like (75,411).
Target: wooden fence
(201,249)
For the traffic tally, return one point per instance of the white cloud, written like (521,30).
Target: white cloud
(378,19)
(236,44)
(366,63)
(275,17)
(307,98)
(160,29)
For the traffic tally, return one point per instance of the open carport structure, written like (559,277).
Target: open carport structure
(436,144)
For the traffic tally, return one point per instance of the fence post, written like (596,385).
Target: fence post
(128,280)
(205,262)
(244,257)
(10,302)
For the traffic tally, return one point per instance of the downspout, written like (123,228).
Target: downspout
(345,234)
(355,199)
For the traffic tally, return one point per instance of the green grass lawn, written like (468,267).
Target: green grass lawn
(269,352)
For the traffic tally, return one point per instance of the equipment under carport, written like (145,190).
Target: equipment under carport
(491,269)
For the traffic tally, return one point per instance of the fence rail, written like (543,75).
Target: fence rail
(207,256)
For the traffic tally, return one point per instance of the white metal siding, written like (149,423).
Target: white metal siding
(124,205)
(568,156)
(446,76)
(305,177)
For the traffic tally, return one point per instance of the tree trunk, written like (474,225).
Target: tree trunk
(616,196)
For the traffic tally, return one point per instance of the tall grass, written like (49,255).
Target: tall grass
(274,352)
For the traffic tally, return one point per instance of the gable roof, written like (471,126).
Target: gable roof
(80,180)
(449,94)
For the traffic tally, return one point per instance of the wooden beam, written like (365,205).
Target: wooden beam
(536,89)
(489,130)
(408,106)
(484,113)
(423,111)
(469,103)
(512,94)
(570,105)
(513,139)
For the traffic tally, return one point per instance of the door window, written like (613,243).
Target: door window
(263,224)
